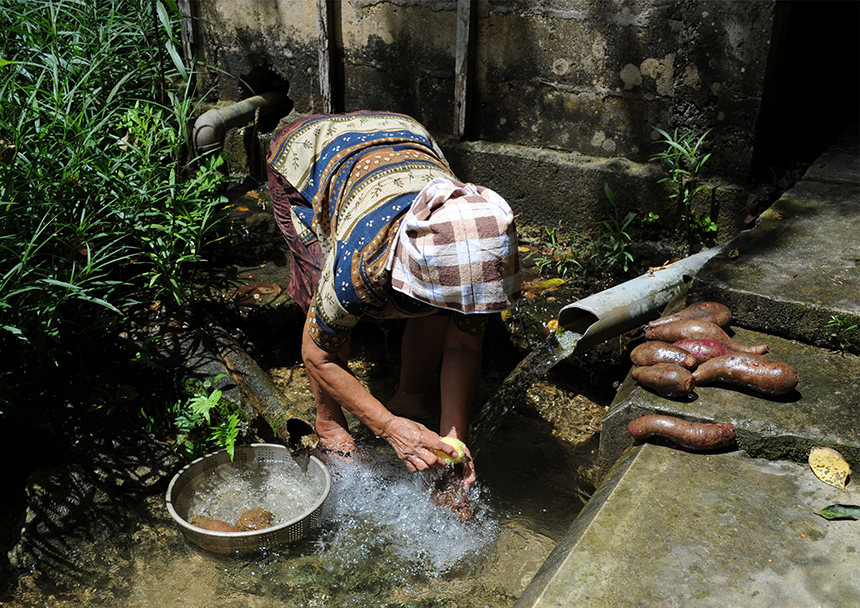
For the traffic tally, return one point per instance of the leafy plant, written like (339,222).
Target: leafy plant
(98,208)
(563,259)
(205,419)
(684,158)
(614,240)
(565,256)
(843,331)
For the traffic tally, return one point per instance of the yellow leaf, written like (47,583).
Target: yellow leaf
(532,288)
(507,315)
(552,324)
(829,466)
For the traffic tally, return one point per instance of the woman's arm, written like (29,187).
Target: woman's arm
(334,387)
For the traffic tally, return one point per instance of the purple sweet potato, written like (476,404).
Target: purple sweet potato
(714,312)
(651,353)
(665,379)
(755,372)
(693,329)
(703,350)
(691,435)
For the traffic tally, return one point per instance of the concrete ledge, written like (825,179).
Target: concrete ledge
(671,528)
(799,267)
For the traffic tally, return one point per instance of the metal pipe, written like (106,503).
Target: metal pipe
(626,306)
(211,128)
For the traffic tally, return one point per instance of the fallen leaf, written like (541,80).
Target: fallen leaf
(552,324)
(829,466)
(733,254)
(840,512)
(542,286)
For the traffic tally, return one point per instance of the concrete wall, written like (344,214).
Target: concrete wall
(558,90)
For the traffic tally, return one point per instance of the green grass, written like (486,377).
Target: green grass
(100,205)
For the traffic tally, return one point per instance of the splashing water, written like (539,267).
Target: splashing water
(380,508)
(285,490)
(557,347)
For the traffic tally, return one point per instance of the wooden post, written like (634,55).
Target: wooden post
(465,27)
(324,51)
(188,30)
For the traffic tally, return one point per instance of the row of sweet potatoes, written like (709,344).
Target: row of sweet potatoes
(691,348)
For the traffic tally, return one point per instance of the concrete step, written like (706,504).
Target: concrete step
(798,269)
(672,528)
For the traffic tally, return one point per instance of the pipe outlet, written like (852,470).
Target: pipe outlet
(212,126)
(614,311)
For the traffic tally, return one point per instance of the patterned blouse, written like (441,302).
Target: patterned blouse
(359,173)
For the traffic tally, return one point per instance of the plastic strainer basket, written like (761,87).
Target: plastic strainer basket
(185,483)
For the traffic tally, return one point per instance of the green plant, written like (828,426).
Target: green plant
(614,239)
(684,158)
(206,419)
(98,208)
(174,220)
(559,258)
(843,331)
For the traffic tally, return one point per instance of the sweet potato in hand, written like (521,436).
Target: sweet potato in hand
(651,353)
(693,329)
(665,379)
(755,372)
(714,312)
(691,435)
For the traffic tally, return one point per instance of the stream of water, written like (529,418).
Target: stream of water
(557,347)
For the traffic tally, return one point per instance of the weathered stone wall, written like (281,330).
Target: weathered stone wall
(585,79)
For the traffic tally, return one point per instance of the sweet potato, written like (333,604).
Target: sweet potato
(691,435)
(665,379)
(255,519)
(693,329)
(651,353)
(760,374)
(716,313)
(214,525)
(702,350)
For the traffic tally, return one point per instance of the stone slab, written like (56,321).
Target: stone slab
(823,410)
(799,267)
(670,528)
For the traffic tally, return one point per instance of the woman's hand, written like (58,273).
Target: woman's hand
(414,444)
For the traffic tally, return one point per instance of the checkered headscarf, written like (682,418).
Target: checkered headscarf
(457,249)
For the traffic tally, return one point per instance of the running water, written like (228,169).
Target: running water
(557,347)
